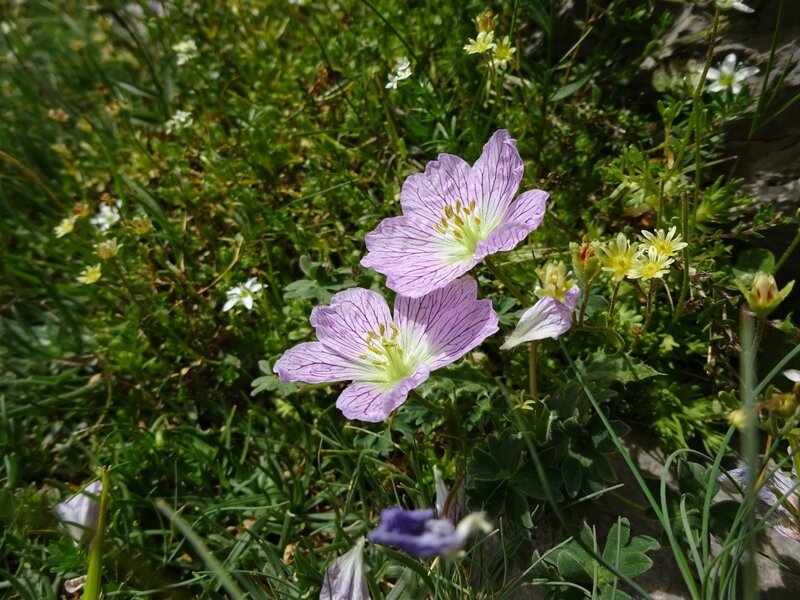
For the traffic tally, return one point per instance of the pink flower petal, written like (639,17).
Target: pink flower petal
(343,325)
(495,177)
(426,194)
(447,323)
(414,258)
(372,402)
(439,239)
(313,362)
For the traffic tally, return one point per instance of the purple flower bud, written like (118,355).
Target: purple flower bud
(421,535)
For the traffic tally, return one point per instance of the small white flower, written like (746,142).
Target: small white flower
(185,51)
(483,43)
(107,216)
(734,4)
(402,70)
(650,264)
(66,226)
(502,53)
(79,514)
(242,294)
(90,275)
(6,27)
(729,75)
(180,120)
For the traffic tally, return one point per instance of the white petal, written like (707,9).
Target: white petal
(745,73)
(792,375)
(548,318)
(712,75)
(729,64)
(247,301)
(230,304)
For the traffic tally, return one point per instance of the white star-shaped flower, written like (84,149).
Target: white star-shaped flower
(729,75)
(242,294)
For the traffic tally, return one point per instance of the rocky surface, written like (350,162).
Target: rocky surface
(769,161)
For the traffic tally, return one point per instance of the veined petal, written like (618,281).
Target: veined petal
(345,579)
(443,182)
(548,318)
(372,402)
(528,208)
(504,238)
(313,362)
(446,324)
(523,216)
(494,178)
(414,258)
(343,325)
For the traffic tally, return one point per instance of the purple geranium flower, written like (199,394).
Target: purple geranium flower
(778,493)
(386,356)
(422,535)
(548,318)
(454,215)
(345,579)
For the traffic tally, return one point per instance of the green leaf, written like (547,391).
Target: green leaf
(626,554)
(609,369)
(568,90)
(750,262)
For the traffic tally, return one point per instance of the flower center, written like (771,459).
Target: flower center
(383,351)
(462,223)
(726,79)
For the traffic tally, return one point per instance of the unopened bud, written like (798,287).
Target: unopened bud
(585,262)
(782,405)
(108,249)
(485,21)
(764,296)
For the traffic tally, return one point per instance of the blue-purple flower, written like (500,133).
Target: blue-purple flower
(345,579)
(385,355)
(453,217)
(421,534)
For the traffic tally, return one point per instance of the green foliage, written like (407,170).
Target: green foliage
(224,480)
(625,553)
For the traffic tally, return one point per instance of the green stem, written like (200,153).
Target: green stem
(610,322)
(750,452)
(422,401)
(532,369)
(93,575)
(510,285)
(584,303)
(649,304)
(785,256)
(694,128)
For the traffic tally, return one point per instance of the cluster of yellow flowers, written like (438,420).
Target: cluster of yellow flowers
(499,52)
(649,259)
